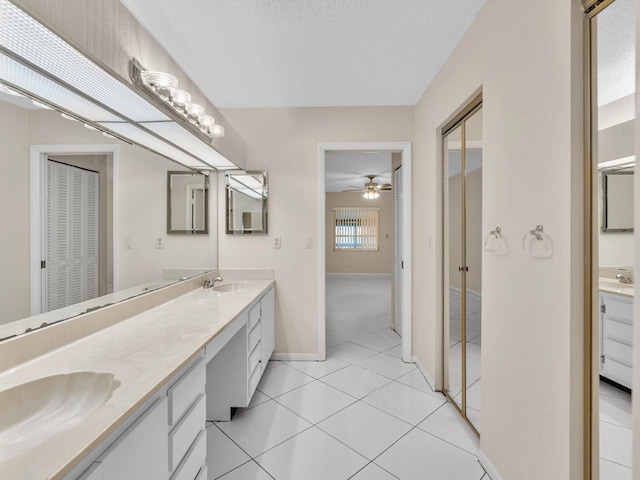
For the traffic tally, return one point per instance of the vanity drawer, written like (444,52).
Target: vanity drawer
(254,337)
(253,380)
(254,358)
(254,316)
(182,436)
(618,308)
(614,328)
(194,460)
(618,372)
(183,393)
(623,353)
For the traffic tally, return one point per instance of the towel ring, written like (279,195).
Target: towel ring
(537,244)
(493,242)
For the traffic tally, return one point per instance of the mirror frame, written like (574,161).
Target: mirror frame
(605,196)
(265,196)
(171,231)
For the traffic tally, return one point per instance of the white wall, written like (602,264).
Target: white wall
(284,141)
(525,57)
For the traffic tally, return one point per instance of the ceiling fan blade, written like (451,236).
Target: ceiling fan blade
(356,190)
(385,185)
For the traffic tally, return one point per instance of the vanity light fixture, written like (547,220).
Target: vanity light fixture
(165,87)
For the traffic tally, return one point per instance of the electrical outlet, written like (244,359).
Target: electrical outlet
(276,242)
(159,242)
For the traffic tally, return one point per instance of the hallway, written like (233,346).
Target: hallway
(362,414)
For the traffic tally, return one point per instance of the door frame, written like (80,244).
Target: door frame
(405,148)
(37,183)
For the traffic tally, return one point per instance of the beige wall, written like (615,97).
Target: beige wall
(285,142)
(14,211)
(360,262)
(141,191)
(528,65)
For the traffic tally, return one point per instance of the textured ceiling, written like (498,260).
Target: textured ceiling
(616,51)
(280,53)
(344,171)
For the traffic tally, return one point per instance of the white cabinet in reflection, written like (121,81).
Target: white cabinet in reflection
(616,338)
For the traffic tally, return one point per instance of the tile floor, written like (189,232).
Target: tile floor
(362,414)
(615,433)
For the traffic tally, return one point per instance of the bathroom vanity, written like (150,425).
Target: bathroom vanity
(174,366)
(616,331)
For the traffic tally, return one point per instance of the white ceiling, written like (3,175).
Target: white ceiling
(283,53)
(344,171)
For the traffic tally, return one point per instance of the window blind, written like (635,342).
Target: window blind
(356,229)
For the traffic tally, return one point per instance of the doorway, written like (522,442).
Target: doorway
(462,167)
(405,300)
(609,236)
(72,258)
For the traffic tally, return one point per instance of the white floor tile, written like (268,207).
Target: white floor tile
(222,454)
(613,471)
(474,417)
(350,352)
(272,363)
(420,456)
(474,395)
(473,367)
(312,455)
(455,382)
(257,399)
(473,350)
(394,351)
(319,369)
(415,379)
(388,332)
(404,402)
(387,366)
(447,424)
(263,427)
(376,342)
(615,443)
(372,472)
(616,410)
(282,379)
(355,381)
(249,471)
(315,401)
(365,429)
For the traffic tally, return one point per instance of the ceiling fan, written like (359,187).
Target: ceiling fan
(371,189)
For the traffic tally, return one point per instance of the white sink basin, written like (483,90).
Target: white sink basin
(235,287)
(35,411)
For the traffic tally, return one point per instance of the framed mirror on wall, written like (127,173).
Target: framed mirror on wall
(187,203)
(617,201)
(246,202)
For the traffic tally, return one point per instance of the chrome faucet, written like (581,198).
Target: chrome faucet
(210,282)
(624,279)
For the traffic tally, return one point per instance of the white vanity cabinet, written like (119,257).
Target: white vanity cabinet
(616,338)
(236,366)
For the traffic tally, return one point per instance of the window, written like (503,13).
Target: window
(356,229)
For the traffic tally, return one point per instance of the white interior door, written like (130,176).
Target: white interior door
(71,240)
(398,263)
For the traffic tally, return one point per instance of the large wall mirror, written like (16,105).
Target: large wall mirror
(246,202)
(617,201)
(187,203)
(125,250)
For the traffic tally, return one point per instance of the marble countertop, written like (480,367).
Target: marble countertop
(613,286)
(142,352)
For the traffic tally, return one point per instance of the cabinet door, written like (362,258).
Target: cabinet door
(141,453)
(268,326)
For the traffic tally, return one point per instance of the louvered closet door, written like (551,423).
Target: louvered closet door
(72,236)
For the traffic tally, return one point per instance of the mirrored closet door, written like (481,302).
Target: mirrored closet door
(462,149)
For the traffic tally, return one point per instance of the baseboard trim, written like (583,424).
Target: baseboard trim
(424,372)
(304,357)
(491,470)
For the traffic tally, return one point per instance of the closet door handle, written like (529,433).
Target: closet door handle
(463,269)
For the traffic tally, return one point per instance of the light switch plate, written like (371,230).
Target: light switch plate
(128,243)
(308,242)
(276,242)
(159,242)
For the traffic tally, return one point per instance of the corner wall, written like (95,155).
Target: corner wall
(526,58)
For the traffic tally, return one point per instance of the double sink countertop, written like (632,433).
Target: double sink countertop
(142,353)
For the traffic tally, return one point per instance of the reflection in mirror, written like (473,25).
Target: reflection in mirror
(246,198)
(89,210)
(187,203)
(617,201)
